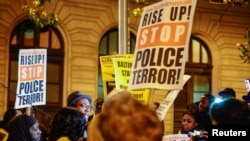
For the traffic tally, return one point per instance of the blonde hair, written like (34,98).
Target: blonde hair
(124,118)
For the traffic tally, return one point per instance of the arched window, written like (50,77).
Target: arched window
(199,57)
(26,35)
(109,43)
(109,46)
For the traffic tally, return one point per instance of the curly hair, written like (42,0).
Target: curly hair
(124,118)
(67,122)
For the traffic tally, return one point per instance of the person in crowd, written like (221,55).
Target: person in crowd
(193,106)
(42,127)
(205,102)
(227,93)
(83,103)
(98,105)
(69,123)
(190,121)
(155,106)
(23,128)
(9,114)
(124,118)
(246,98)
(230,112)
(97,108)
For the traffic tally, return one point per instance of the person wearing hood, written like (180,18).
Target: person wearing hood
(23,128)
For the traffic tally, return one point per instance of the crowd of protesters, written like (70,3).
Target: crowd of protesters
(121,117)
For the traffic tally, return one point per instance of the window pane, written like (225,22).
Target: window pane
(132,45)
(55,41)
(103,46)
(44,39)
(12,95)
(201,86)
(14,70)
(204,55)
(52,94)
(100,84)
(29,37)
(113,42)
(196,51)
(14,40)
(52,74)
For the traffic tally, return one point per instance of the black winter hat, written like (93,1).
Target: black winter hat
(246,97)
(74,97)
(227,92)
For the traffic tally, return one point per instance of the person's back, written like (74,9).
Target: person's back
(9,114)
(67,122)
(124,118)
(230,112)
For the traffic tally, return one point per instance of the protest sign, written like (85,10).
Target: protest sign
(108,74)
(122,69)
(31,87)
(169,100)
(176,137)
(162,45)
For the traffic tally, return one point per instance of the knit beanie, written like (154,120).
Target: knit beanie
(74,97)
(227,92)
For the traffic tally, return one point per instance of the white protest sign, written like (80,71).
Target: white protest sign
(169,100)
(162,44)
(176,137)
(32,70)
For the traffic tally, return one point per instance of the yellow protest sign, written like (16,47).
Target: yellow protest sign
(108,74)
(122,68)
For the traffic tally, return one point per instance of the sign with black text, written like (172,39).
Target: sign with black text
(108,73)
(31,87)
(162,45)
(122,69)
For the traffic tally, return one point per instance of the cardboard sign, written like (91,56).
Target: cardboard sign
(32,70)
(108,73)
(122,67)
(162,44)
(176,137)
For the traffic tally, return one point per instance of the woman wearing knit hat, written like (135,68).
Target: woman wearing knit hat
(82,102)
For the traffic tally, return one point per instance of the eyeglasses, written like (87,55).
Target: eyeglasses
(85,106)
